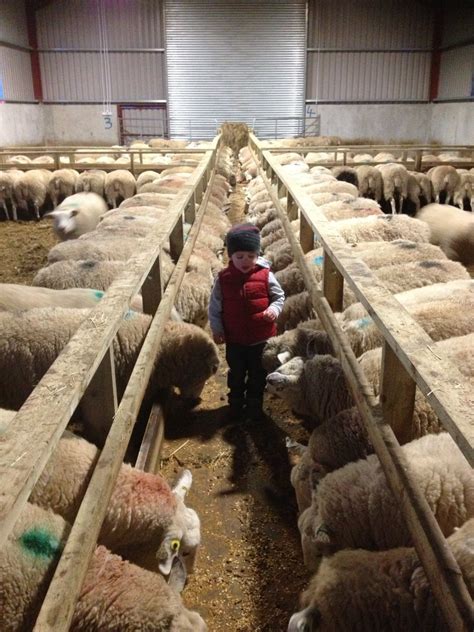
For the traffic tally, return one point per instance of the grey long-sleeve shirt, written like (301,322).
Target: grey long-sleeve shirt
(277,298)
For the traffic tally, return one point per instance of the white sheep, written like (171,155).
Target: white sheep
(162,200)
(77,214)
(105,249)
(193,298)
(383,590)
(62,184)
(187,356)
(395,183)
(115,595)
(147,176)
(91,180)
(464,192)
(444,179)
(32,187)
(371,518)
(451,229)
(22,297)
(370,182)
(79,274)
(118,186)
(7,182)
(382,228)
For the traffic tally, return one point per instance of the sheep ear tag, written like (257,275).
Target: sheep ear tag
(178,575)
(283,357)
(168,552)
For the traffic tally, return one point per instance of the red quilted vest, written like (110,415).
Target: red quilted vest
(244,299)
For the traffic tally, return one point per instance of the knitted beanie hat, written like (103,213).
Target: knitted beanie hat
(244,237)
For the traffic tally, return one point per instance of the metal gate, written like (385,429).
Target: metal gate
(140,121)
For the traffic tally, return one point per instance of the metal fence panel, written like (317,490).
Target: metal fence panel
(234,61)
(456,79)
(15,73)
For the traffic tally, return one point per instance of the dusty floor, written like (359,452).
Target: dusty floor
(249,571)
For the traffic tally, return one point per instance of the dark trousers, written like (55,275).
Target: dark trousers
(246,378)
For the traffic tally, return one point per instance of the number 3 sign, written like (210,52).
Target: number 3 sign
(108,122)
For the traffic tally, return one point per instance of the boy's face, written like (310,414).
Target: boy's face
(244,260)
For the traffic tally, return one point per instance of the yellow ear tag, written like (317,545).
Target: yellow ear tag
(175,546)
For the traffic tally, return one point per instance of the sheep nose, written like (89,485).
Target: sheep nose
(273,379)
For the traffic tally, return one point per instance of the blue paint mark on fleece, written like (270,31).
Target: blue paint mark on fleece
(130,314)
(40,542)
(364,322)
(98,294)
(318,261)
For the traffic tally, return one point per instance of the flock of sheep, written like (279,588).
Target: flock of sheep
(148,531)
(353,536)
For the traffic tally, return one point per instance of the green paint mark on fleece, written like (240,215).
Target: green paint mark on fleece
(364,322)
(98,294)
(40,542)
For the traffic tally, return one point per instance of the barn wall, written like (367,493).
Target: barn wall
(15,63)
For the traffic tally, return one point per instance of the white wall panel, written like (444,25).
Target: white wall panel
(393,38)
(238,60)
(15,73)
(458,24)
(457,73)
(13,22)
(132,25)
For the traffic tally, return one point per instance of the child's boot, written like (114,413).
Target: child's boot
(236,409)
(255,409)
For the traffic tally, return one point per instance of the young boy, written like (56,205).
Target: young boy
(245,302)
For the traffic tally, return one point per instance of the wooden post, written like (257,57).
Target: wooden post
(333,284)
(291,207)
(306,234)
(190,210)
(177,239)
(152,289)
(99,402)
(282,191)
(397,395)
(149,455)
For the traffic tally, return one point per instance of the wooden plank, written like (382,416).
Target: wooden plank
(149,454)
(333,284)
(27,446)
(397,395)
(190,211)
(99,402)
(306,235)
(58,607)
(438,561)
(291,207)
(177,239)
(152,289)
(445,388)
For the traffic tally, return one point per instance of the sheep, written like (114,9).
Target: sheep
(145,177)
(382,590)
(451,229)
(148,199)
(336,186)
(119,185)
(79,274)
(106,249)
(32,186)
(291,279)
(23,297)
(377,254)
(115,594)
(30,341)
(395,184)
(337,211)
(426,191)
(77,214)
(19,160)
(382,228)
(193,298)
(464,192)
(210,241)
(444,179)
(347,174)
(91,180)
(314,388)
(293,342)
(370,182)
(143,516)
(62,184)
(371,519)
(296,308)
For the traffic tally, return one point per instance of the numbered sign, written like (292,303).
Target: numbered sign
(108,122)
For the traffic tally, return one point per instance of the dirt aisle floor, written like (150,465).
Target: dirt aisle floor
(250,570)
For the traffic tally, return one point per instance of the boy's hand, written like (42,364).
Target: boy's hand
(219,339)
(269,315)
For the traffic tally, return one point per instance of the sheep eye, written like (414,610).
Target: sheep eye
(175,545)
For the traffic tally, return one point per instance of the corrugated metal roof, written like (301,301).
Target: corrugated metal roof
(458,24)
(234,60)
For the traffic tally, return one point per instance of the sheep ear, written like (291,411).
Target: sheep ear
(283,357)
(305,621)
(183,484)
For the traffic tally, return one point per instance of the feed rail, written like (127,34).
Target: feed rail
(37,427)
(407,362)
(415,152)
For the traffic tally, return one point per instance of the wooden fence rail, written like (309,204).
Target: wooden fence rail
(407,360)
